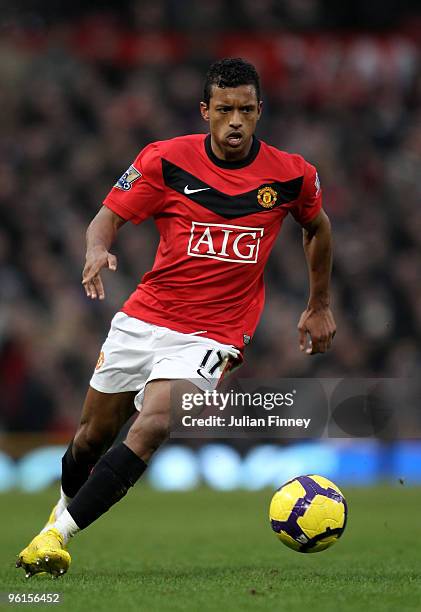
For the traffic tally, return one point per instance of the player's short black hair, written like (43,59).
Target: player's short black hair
(230,72)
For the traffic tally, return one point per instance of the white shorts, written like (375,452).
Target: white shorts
(136,352)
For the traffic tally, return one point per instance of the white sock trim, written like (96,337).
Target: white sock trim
(66,526)
(61,505)
(64,498)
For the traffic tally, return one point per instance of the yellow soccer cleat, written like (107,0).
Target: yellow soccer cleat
(45,553)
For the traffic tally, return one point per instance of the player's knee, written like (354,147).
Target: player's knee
(90,443)
(148,433)
(155,429)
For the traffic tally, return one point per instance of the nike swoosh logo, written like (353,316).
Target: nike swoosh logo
(200,374)
(188,191)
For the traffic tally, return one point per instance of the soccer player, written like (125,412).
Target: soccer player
(218,201)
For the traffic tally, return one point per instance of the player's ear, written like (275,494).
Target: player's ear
(259,109)
(204,111)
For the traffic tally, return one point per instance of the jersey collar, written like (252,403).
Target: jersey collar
(241,163)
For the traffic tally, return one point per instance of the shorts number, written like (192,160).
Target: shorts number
(212,359)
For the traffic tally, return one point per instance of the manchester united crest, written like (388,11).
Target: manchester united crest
(100,361)
(266,196)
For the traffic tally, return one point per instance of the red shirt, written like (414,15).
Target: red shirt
(217,221)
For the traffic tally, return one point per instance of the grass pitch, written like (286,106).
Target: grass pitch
(207,550)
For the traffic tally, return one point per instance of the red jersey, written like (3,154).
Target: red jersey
(218,221)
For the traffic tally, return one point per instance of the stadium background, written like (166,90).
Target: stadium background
(82,91)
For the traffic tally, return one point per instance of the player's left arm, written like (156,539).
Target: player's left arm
(317,323)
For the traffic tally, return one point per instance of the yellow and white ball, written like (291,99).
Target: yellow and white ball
(308,513)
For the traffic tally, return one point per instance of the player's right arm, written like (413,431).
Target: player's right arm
(137,195)
(100,235)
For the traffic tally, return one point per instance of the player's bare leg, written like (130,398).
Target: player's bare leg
(152,426)
(103,415)
(121,467)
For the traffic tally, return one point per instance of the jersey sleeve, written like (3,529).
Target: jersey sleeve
(309,202)
(139,193)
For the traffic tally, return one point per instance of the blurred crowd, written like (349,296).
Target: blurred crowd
(77,104)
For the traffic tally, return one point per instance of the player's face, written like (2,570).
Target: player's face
(232,114)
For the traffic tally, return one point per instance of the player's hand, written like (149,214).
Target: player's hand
(96,259)
(317,329)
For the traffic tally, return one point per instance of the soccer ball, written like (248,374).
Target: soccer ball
(308,513)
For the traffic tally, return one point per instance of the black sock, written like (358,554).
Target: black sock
(110,480)
(73,474)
